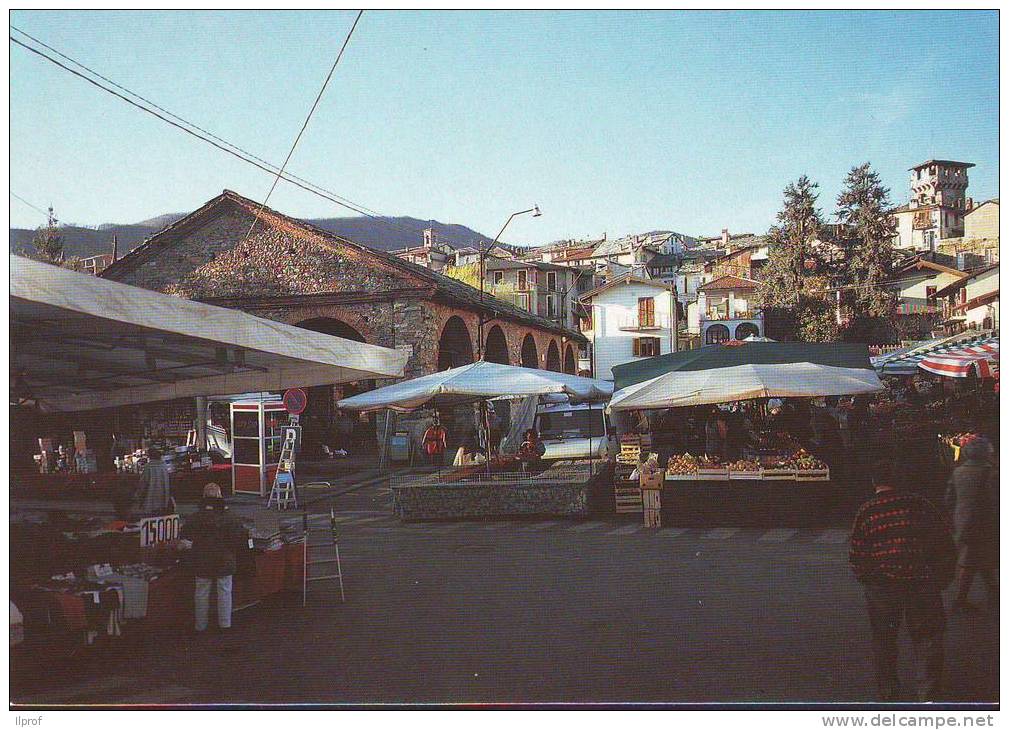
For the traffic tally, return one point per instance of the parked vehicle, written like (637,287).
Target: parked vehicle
(579,431)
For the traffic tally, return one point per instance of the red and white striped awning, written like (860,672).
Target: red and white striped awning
(958,362)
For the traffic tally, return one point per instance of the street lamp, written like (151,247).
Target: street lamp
(535,210)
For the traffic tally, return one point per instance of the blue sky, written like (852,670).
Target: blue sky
(615,122)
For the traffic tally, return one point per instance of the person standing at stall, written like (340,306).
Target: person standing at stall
(435,442)
(902,554)
(971,497)
(715,433)
(154,496)
(216,537)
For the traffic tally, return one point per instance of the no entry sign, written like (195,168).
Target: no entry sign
(295,401)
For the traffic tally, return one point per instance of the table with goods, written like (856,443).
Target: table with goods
(86,580)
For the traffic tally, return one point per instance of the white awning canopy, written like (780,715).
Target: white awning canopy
(79,342)
(743,382)
(475,382)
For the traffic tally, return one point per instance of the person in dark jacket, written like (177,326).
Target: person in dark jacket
(216,537)
(972,499)
(902,554)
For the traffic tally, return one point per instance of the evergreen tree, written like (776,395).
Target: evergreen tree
(793,291)
(868,263)
(47,241)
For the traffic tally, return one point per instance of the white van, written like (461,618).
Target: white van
(579,431)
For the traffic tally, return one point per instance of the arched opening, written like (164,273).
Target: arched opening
(455,348)
(553,357)
(747,329)
(322,422)
(330,326)
(530,358)
(495,349)
(716,334)
(569,360)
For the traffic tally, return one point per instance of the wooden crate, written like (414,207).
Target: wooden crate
(812,475)
(628,498)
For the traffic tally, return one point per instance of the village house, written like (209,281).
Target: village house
(625,319)
(915,283)
(972,301)
(726,309)
(547,290)
(433,254)
(980,234)
(285,269)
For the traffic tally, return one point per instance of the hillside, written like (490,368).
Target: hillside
(382,233)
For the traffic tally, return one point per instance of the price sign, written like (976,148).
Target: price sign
(159,529)
(295,401)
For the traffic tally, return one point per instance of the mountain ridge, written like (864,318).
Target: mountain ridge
(388,233)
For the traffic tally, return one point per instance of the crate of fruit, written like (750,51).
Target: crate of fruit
(711,469)
(744,469)
(682,467)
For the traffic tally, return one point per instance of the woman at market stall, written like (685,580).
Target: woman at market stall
(216,536)
(532,450)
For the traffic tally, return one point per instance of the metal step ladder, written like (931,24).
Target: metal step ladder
(283,492)
(321,538)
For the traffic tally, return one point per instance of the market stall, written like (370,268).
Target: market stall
(81,346)
(754,460)
(92,580)
(499,486)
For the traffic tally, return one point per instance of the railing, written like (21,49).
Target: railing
(715,316)
(632,323)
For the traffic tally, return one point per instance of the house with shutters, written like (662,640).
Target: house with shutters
(626,319)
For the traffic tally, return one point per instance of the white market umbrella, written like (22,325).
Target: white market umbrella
(476,382)
(742,382)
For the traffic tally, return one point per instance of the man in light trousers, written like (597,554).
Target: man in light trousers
(216,536)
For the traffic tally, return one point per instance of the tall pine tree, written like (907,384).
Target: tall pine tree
(793,291)
(862,205)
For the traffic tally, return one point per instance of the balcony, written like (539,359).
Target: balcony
(716,315)
(633,323)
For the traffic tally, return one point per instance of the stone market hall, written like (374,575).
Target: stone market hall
(293,272)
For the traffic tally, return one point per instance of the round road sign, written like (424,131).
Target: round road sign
(295,401)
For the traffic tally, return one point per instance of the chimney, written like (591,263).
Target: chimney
(430,237)
(725,236)
(115,248)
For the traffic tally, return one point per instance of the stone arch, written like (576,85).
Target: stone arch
(455,347)
(332,326)
(716,334)
(570,364)
(530,355)
(495,348)
(321,411)
(747,329)
(553,357)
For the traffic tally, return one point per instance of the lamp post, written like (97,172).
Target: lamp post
(535,210)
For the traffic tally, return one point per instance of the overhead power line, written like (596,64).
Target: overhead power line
(30,205)
(212,139)
(304,126)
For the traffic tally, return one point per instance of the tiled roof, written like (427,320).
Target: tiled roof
(729,282)
(948,163)
(452,289)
